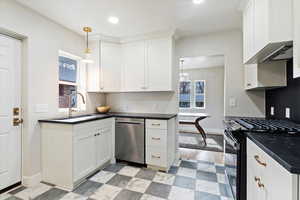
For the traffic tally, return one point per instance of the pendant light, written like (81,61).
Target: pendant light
(183,76)
(87,51)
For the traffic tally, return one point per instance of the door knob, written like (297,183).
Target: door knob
(17,121)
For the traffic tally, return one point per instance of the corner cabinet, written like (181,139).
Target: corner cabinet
(135,66)
(296,48)
(266,179)
(263,27)
(70,153)
(266,75)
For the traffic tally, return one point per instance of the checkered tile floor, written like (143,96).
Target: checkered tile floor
(187,180)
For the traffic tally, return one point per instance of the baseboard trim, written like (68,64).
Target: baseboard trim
(33,180)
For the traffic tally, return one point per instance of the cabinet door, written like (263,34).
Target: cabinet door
(251,76)
(110,67)
(159,64)
(261,25)
(103,145)
(248,30)
(93,69)
(84,154)
(296,39)
(134,66)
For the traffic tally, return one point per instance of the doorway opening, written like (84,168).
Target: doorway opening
(201,103)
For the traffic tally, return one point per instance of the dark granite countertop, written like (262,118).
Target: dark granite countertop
(92,117)
(284,149)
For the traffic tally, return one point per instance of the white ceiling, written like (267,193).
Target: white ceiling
(141,16)
(203,62)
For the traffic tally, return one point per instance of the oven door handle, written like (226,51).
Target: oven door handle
(233,142)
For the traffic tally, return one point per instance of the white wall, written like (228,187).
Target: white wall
(43,40)
(230,45)
(214,98)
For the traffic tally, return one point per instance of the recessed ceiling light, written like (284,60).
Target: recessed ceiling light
(198,1)
(113,20)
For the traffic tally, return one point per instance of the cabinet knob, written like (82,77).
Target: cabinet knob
(153,156)
(248,84)
(258,180)
(154,138)
(155,124)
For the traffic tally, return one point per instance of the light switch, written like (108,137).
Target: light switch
(232,102)
(287,112)
(41,108)
(272,110)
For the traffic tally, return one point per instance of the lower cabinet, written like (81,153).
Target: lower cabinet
(160,143)
(70,153)
(267,179)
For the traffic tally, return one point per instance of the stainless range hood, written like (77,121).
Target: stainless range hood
(274,52)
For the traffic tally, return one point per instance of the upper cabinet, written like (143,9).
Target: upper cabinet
(296,38)
(136,66)
(159,60)
(267,27)
(104,75)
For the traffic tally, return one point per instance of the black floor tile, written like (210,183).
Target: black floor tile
(185,182)
(207,176)
(188,164)
(119,181)
(128,195)
(206,196)
(52,194)
(147,174)
(159,190)
(87,188)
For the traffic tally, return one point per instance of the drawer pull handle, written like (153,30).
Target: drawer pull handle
(154,138)
(155,124)
(259,161)
(259,184)
(153,156)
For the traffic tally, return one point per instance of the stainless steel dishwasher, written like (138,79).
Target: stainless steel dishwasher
(130,140)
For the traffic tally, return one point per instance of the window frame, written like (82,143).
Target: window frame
(204,94)
(80,106)
(191,103)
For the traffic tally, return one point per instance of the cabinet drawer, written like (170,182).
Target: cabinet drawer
(255,154)
(156,124)
(156,156)
(156,137)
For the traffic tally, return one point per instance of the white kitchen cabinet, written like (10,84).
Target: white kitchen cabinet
(84,144)
(267,179)
(248,30)
(265,29)
(296,48)
(70,152)
(104,75)
(93,69)
(160,143)
(134,66)
(111,67)
(266,75)
(159,70)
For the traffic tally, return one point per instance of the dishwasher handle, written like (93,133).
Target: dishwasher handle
(141,123)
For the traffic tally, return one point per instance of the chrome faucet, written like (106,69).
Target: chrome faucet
(70,102)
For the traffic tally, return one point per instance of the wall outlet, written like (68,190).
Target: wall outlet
(232,102)
(272,110)
(287,112)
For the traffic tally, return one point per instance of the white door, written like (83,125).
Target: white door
(10,98)
(134,66)
(111,66)
(159,64)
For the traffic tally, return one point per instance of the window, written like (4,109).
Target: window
(200,94)
(185,94)
(71,75)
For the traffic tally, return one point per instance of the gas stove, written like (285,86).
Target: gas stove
(264,126)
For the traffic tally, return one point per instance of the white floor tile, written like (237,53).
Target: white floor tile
(106,192)
(182,171)
(129,171)
(206,167)
(102,177)
(4,196)
(150,197)
(178,193)
(73,196)
(221,178)
(138,185)
(164,178)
